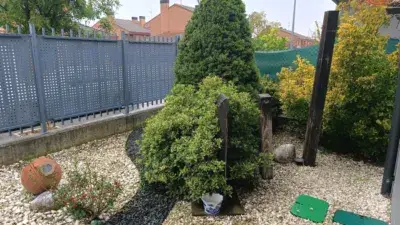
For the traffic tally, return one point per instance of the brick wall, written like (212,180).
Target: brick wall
(299,41)
(171,21)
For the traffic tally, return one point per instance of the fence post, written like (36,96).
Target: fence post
(320,88)
(266,132)
(223,108)
(38,78)
(125,74)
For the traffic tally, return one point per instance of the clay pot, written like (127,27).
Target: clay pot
(41,175)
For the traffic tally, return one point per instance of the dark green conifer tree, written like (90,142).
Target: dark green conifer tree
(218,42)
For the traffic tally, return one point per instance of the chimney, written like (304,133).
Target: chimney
(142,20)
(135,19)
(164,4)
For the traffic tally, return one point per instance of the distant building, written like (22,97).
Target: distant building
(133,27)
(171,21)
(300,41)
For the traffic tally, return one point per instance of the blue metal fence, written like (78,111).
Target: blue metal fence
(55,78)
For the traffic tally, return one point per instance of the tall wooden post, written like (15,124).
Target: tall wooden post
(223,108)
(265,101)
(314,123)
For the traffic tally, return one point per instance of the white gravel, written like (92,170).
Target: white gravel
(345,184)
(342,182)
(106,156)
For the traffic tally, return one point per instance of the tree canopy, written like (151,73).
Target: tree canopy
(266,33)
(259,24)
(54,13)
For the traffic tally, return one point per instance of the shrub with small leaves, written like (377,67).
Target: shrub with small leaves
(361,85)
(181,143)
(361,90)
(296,89)
(87,194)
(271,86)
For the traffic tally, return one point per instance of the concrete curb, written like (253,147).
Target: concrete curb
(39,145)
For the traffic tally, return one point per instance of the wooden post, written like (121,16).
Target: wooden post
(223,108)
(314,123)
(265,101)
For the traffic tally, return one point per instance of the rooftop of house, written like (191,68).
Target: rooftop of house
(189,8)
(128,25)
(296,34)
(186,7)
(131,26)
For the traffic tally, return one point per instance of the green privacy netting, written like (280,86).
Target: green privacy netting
(272,62)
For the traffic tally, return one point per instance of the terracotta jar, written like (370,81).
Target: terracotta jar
(41,175)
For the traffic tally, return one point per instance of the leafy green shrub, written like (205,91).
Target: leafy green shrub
(361,87)
(87,194)
(181,143)
(271,87)
(362,84)
(218,42)
(296,89)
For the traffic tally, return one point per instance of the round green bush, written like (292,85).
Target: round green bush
(181,143)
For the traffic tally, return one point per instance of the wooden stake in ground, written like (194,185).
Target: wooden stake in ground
(314,123)
(265,101)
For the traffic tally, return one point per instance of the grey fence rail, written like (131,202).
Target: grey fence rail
(55,78)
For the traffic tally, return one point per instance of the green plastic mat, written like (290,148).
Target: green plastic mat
(349,218)
(310,208)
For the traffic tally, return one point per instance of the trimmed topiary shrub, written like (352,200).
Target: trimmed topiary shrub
(218,42)
(180,144)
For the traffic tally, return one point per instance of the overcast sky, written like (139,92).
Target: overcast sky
(308,11)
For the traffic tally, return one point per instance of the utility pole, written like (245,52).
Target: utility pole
(293,24)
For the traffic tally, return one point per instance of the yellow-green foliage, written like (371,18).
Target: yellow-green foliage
(362,84)
(361,87)
(296,88)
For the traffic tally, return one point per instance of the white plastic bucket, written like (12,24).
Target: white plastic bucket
(212,203)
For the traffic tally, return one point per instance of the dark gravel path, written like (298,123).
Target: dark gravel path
(151,205)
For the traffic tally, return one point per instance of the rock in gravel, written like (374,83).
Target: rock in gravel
(43,202)
(285,153)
